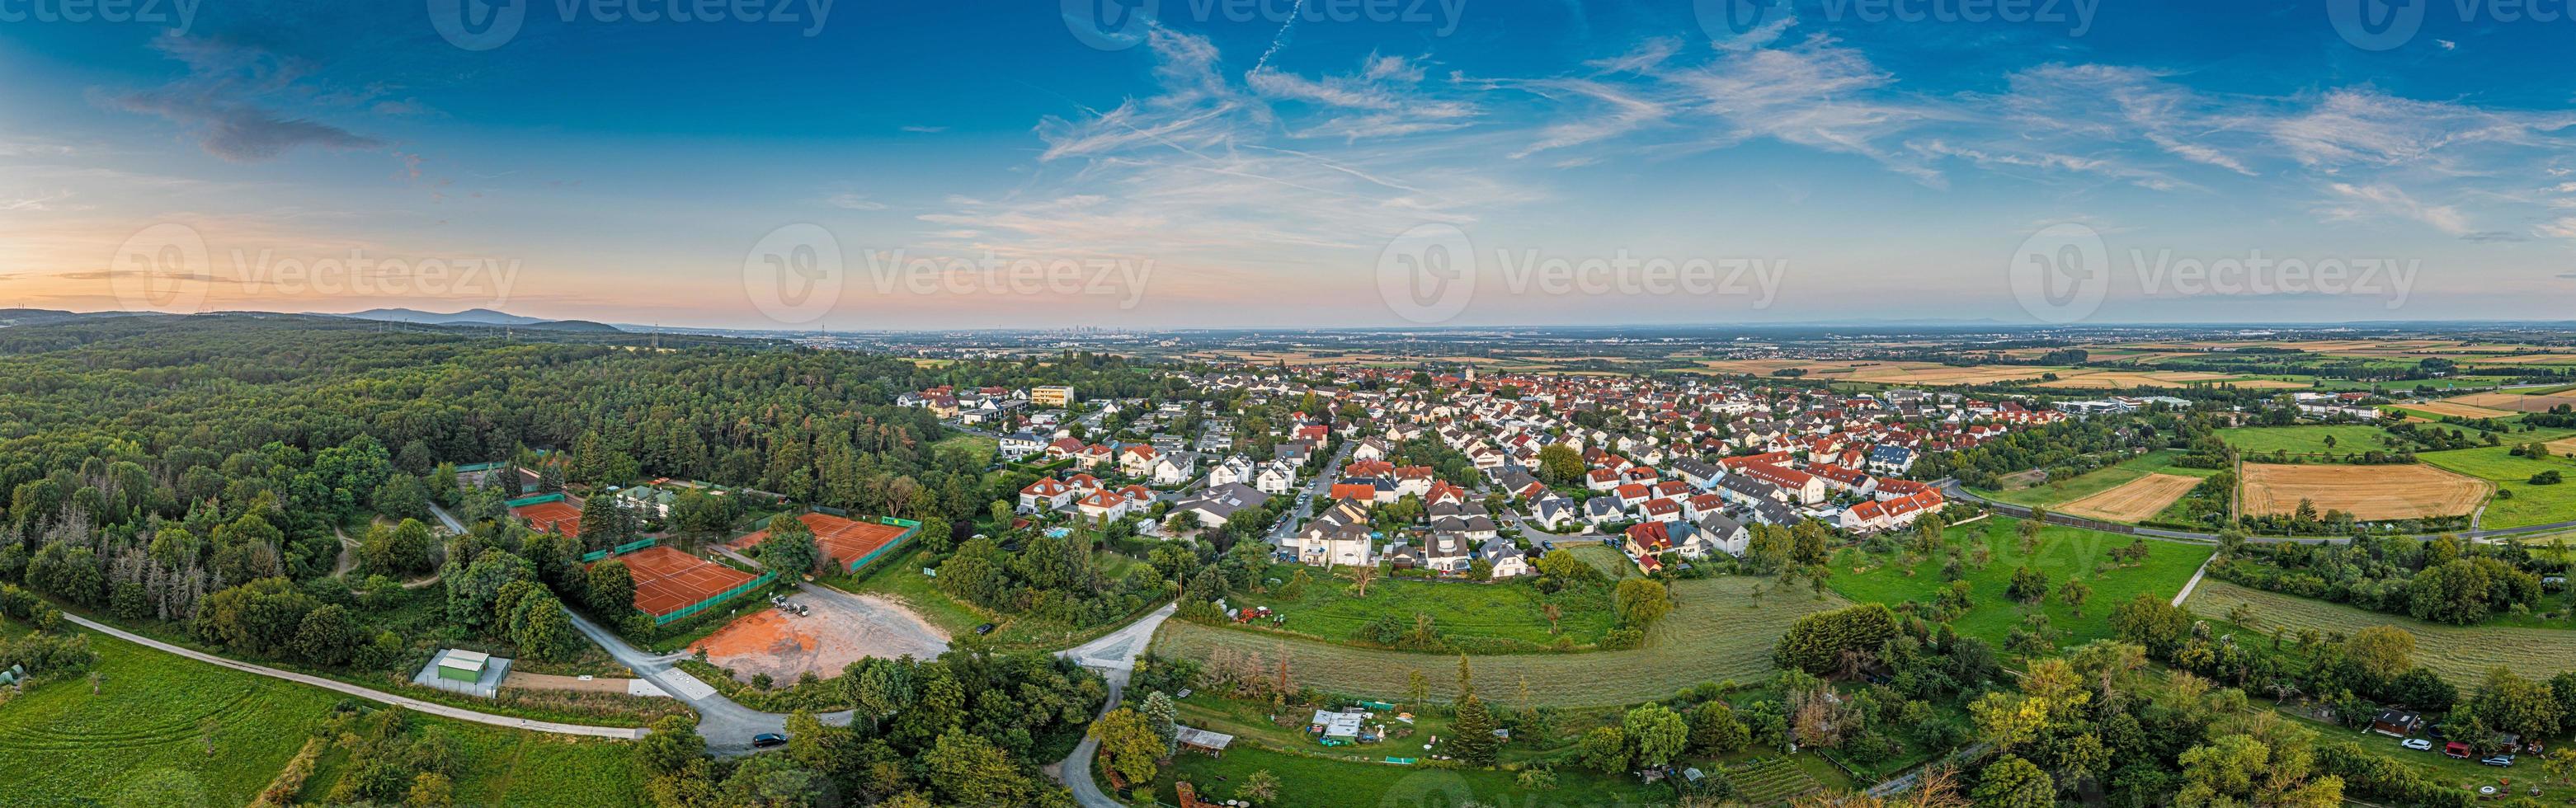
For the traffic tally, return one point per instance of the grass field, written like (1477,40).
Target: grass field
(2529,504)
(1464,612)
(2461,654)
(2310,440)
(67,747)
(1321,782)
(1720,629)
(901,580)
(1610,562)
(2063,552)
(2367,492)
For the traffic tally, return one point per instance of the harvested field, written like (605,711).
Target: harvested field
(2366,492)
(2461,654)
(841,630)
(668,580)
(2458,410)
(2515,402)
(2562,447)
(1720,630)
(2136,500)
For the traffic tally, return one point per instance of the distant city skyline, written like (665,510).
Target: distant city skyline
(1276,165)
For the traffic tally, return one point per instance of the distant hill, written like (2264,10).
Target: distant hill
(466,317)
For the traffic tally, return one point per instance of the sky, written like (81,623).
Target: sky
(1283,163)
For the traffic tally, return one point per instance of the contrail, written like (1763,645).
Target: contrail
(1280,41)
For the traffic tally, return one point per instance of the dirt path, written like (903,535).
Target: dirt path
(348,553)
(548,681)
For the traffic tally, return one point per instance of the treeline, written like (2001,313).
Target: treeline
(2442,580)
(966,729)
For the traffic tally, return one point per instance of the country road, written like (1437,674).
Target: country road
(1114,656)
(405,702)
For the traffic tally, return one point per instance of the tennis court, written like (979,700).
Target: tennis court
(668,581)
(556,515)
(851,541)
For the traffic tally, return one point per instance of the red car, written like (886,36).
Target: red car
(2456,749)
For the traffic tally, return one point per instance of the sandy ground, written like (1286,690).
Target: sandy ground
(2136,500)
(844,628)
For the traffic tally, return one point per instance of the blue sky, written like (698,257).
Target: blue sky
(1212,164)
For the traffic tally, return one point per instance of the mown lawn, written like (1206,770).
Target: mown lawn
(2063,552)
(1721,628)
(2528,504)
(1475,615)
(900,579)
(68,747)
(2059,492)
(1331,782)
(2311,440)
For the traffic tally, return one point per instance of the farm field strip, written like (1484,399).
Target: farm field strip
(1719,631)
(2461,654)
(2458,409)
(2367,492)
(2135,501)
(2528,504)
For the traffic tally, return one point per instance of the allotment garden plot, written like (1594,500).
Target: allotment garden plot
(2369,493)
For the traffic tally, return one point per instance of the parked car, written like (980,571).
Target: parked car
(767,740)
(2498,760)
(986,628)
(2417,744)
(2456,749)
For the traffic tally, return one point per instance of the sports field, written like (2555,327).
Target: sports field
(558,516)
(844,539)
(2367,492)
(668,580)
(2135,501)
(2461,654)
(1720,629)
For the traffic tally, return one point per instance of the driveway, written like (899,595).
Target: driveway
(1114,656)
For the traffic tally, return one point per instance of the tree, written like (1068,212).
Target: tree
(2384,651)
(2074,593)
(2028,585)
(1714,729)
(327,636)
(472,591)
(671,746)
(2153,622)
(1641,601)
(1656,733)
(1473,733)
(429,790)
(1604,749)
(1559,464)
(966,769)
(1130,743)
(2011,782)
(400,551)
(1818,643)
(611,591)
(1163,717)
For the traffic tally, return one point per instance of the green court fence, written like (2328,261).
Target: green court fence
(693,609)
(523,502)
(618,550)
(910,528)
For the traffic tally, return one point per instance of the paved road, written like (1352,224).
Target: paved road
(447,519)
(1318,490)
(405,702)
(1114,656)
(2194,583)
(727,726)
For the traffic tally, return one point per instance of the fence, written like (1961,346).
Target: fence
(539,499)
(910,529)
(694,609)
(618,550)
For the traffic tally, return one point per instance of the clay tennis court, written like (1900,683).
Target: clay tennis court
(2134,501)
(668,580)
(558,515)
(844,539)
(2366,492)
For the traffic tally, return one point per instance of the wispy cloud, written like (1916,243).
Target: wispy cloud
(225,101)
